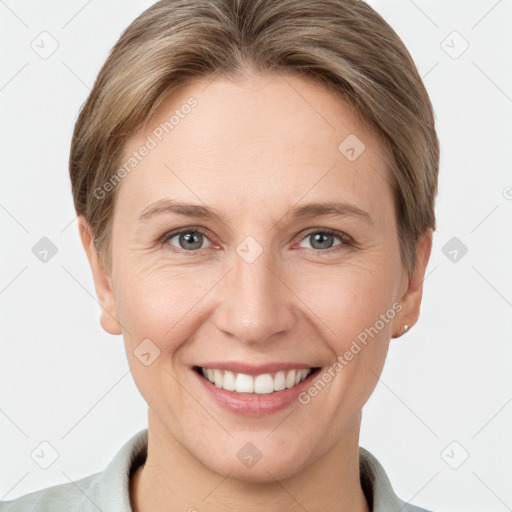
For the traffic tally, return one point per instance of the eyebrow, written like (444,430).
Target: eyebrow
(332,208)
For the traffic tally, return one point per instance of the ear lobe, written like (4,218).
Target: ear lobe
(411,300)
(102,281)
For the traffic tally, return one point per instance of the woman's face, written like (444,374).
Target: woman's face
(261,287)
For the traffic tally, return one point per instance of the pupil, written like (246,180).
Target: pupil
(321,237)
(193,239)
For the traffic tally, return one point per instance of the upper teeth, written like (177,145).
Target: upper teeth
(262,384)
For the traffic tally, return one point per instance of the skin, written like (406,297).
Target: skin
(253,149)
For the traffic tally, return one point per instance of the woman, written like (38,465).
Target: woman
(255,184)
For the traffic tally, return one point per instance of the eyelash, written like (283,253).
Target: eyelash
(346,241)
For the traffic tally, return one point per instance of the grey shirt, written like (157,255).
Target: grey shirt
(108,490)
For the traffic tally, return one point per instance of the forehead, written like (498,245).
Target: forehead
(256,142)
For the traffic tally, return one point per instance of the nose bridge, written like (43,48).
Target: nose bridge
(255,303)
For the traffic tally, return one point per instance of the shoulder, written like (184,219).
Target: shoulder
(107,490)
(377,487)
(70,497)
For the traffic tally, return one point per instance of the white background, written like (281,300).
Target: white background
(65,381)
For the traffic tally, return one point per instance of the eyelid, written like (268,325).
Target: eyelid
(335,232)
(188,229)
(347,242)
(346,239)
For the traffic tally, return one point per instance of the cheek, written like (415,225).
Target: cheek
(355,305)
(159,303)
(158,311)
(357,312)
(349,300)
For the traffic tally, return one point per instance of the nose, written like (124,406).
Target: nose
(256,300)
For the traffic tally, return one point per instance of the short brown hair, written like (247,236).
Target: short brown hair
(344,44)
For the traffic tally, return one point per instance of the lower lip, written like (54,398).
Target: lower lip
(253,404)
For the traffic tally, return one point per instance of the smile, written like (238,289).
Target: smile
(262,384)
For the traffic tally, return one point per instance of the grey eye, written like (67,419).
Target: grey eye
(189,240)
(322,240)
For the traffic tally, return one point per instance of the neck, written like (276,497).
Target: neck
(172,480)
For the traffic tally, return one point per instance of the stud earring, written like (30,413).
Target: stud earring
(405,328)
(402,331)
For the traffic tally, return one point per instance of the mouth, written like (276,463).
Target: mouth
(256,384)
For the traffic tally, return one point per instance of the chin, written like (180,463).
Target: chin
(257,462)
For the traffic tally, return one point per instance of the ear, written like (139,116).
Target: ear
(411,298)
(102,281)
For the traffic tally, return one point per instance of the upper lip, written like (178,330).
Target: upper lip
(250,369)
